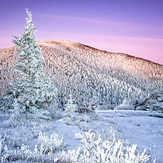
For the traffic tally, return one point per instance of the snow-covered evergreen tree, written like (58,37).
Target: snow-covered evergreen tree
(34,89)
(70,110)
(155,102)
(94,102)
(127,104)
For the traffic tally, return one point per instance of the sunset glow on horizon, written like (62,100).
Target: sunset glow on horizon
(132,27)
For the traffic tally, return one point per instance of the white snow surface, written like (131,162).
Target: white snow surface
(139,127)
(132,127)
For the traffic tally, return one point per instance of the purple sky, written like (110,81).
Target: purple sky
(134,27)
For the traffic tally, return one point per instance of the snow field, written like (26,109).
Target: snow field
(49,141)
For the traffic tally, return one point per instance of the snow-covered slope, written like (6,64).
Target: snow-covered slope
(85,72)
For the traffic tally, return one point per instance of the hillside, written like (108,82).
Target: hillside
(86,72)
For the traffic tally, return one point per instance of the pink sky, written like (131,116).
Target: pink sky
(131,27)
(150,49)
(137,44)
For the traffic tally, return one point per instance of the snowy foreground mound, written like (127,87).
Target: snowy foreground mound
(101,136)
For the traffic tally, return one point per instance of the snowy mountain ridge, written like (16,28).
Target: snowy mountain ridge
(86,72)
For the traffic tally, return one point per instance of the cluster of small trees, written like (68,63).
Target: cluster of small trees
(155,102)
(87,73)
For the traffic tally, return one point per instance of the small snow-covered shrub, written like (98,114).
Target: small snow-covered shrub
(84,110)
(19,113)
(102,107)
(53,109)
(112,134)
(93,103)
(126,105)
(17,141)
(38,114)
(71,156)
(84,120)
(155,102)
(5,104)
(57,114)
(49,144)
(83,126)
(43,151)
(94,149)
(70,110)
(24,154)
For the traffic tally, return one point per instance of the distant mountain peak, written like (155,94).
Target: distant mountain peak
(87,72)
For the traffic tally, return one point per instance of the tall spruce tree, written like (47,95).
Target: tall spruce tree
(34,89)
